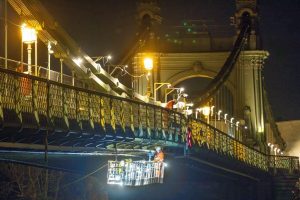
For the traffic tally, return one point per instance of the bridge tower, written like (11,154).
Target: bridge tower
(196,52)
(249,82)
(149,19)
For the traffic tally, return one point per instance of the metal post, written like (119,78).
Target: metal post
(49,59)
(215,120)
(35,62)
(73,78)
(29,57)
(48,121)
(5,21)
(148,85)
(22,58)
(61,69)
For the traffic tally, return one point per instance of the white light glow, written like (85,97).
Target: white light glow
(205,110)
(77,61)
(148,63)
(29,35)
(269,144)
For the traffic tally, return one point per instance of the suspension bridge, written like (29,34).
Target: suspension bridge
(92,112)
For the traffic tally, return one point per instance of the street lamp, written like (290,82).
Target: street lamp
(225,117)
(29,36)
(219,114)
(159,85)
(206,112)
(231,121)
(148,64)
(212,110)
(50,51)
(196,113)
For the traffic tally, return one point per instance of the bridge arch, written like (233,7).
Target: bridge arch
(188,74)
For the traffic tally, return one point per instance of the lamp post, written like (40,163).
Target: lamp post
(231,126)
(29,36)
(157,86)
(212,113)
(148,64)
(219,119)
(50,51)
(206,112)
(198,110)
(61,69)
(237,130)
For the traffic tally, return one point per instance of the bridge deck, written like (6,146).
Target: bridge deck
(34,111)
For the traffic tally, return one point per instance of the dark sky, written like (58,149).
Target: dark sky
(108,27)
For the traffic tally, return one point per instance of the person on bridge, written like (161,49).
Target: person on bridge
(159,155)
(171,104)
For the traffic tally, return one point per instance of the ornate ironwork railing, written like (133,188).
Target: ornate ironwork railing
(32,102)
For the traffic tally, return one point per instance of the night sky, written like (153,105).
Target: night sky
(108,27)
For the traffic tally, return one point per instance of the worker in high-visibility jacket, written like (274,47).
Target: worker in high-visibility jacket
(158,169)
(159,155)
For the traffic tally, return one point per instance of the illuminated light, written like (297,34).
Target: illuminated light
(269,144)
(148,63)
(77,61)
(237,123)
(225,116)
(181,89)
(275,149)
(81,108)
(278,150)
(205,110)
(219,114)
(281,153)
(246,127)
(212,110)
(185,95)
(231,120)
(165,164)
(29,35)
(180,104)
(109,57)
(272,145)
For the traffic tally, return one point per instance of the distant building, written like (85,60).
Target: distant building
(290,132)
